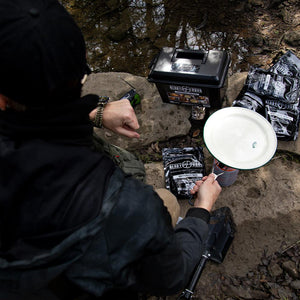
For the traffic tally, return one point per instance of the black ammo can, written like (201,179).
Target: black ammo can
(190,77)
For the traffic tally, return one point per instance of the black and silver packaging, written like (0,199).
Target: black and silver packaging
(272,85)
(182,168)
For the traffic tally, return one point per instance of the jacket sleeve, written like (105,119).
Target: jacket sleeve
(145,251)
(169,271)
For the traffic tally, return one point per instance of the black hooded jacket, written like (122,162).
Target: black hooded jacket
(67,209)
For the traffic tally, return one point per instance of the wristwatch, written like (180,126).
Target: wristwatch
(99,114)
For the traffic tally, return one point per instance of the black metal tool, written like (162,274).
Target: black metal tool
(133,97)
(220,236)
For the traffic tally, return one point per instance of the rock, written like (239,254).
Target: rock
(158,121)
(235,85)
(291,269)
(274,270)
(259,295)
(292,38)
(295,285)
(265,261)
(291,146)
(242,292)
(285,293)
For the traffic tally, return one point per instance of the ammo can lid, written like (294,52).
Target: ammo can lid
(198,67)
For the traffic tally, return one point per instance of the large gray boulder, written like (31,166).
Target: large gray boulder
(158,121)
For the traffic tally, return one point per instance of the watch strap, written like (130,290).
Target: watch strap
(100,108)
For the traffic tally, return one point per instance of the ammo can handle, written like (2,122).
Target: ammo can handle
(189,54)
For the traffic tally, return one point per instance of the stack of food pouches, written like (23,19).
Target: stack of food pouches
(275,94)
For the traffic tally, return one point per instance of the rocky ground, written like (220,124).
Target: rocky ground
(263,261)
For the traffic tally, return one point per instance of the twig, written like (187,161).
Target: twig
(291,246)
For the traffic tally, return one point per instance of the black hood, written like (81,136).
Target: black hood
(41,49)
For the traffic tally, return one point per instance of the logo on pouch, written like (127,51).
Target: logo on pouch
(185,165)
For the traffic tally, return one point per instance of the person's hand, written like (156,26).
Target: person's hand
(208,190)
(119,117)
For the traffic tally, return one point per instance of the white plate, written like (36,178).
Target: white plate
(240,138)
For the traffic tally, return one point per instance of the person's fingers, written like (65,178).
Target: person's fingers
(194,190)
(196,186)
(119,117)
(204,178)
(210,178)
(128,132)
(132,122)
(208,192)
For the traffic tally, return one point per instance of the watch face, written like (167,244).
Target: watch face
(103,99)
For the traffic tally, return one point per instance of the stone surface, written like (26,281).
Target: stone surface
(275,270)
(158,121)
(235,84)
(291,268)
(292,38)
(296,284)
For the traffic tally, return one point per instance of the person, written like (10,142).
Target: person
(66,210)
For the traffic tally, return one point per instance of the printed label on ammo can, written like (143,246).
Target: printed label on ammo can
(181,94)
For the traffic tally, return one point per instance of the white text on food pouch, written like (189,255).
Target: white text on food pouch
(186,165)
